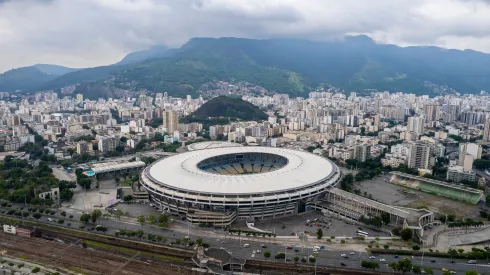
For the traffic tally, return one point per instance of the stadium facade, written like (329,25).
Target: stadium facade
(219,185)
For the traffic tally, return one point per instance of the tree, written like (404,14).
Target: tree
(85,218)
(141,219)
(36,216)
(377,221)
(93,217)
(199,241)
(416,269)
(118,214)
(66,194)
(452,252)
(471,272)
(280,255)
(461,251)
(428,271)
(404,265)
(312,260)
(267,254)
(416,247)
(319,233)
(451,217)
(385,217)
(128,198)
(386,246)
(151,219)
(342,242)
(296,259)
(303,260)
(406,234)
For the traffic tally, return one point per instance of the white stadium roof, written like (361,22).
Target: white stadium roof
(115,166)
(211,145)
(181,172)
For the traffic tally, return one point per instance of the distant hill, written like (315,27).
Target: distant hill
(289,66)
(23,79)
(54,69)
(32,77)
(228,107)
(152,53)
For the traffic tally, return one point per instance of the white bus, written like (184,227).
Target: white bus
(362,233)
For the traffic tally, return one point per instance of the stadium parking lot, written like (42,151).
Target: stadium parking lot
(292,225)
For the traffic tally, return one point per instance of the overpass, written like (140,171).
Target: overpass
(352,206)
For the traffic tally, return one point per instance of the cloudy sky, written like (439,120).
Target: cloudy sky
(83,33)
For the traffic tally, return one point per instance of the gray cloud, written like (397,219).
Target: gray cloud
(81,33)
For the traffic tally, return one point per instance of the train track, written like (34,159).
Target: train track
(55,254)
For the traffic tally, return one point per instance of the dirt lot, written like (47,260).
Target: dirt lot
(391,194)
(85,261)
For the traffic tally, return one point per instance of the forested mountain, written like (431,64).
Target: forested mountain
(228,107)
(288,66)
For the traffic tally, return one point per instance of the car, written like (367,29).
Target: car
(472,262)
(263,246)
(396,257)
(343,255)
(258,251)
(222,248)
(342,264)
(372,257)
(315,252)
(432,261)
(246,245)
(382,260)
(296,250)
(452,272)
(289,247)
(253,255)
(288,259)
(452,262)
(352,253)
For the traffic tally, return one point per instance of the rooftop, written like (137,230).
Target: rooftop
(211,145)
(181,172)
(115,166)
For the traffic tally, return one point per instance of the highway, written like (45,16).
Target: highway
(235,245)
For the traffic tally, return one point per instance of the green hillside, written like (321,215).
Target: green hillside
(283,65)
(227,108)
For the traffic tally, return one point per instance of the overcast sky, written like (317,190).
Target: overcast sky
(87,33)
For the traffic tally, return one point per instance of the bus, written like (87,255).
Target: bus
(362,233)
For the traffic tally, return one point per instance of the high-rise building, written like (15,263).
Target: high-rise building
(170,121)
(432,112)
(486,130)
(473,149)
(468,163)
(83,146)
(108,143)
(362,152)
(419,155)
(79,97)
(416,124)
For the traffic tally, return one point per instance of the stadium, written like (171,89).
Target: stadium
(219,185)
(443,189)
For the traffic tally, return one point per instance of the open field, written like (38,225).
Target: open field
(381,190)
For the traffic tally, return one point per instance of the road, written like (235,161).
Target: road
(235,245)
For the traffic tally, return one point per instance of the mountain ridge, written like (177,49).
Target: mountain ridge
(292,66)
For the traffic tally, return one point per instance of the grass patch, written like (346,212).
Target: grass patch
(77,270)
(132,251)
(23,257)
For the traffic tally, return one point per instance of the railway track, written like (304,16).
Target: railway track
(55,254)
